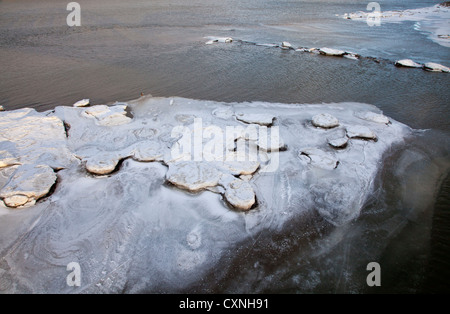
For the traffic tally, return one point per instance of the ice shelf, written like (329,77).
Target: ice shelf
(156,198)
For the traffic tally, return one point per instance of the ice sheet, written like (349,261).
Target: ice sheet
(132,231)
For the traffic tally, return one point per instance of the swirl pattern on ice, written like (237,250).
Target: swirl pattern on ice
(130,230)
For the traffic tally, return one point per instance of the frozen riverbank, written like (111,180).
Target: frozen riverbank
(132,231)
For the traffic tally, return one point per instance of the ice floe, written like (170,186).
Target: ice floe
(108,116)
(360,131)
(435,67)
(82,103)
(27,184)
(407,63)
(372,116)
(213,40)
(196,176)
(352,56)
(325,51)
(146,151)
(193,176)
(325,120)
(180,215)
(102,163)
(29,137)
(331,52)
(238,193)
(338,142)
(286,45)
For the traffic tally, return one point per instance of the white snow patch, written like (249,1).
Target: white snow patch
(102,163)
(108,116)
(360,131)
(286,45)
(223,113)
(435,67)
(192,175)
(29,137)
(213,40)
(331,52)
(325,120)
(351,56)
(407,63)
(255,118)
(319,158)
(238,193)
(82,103)
(374,117)
(27,184)
(338,142)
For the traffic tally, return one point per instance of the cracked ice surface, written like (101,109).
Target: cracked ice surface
(29,137)
(105,115)
(132,232)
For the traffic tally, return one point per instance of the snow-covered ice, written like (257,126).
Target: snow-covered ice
(193,176)
(325,120)
(256,118)
(108,116)
(352,56)
(213,40)
(439,19)
(239,193)
(159,223)
(286,45)
(319,158)
(29,137)
(360,131)
(331,52)
(436,67)
(82,103)
(339,142)
(27,184)
(407,63)
(372,116)
(102,163)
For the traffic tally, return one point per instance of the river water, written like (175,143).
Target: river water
(123,49)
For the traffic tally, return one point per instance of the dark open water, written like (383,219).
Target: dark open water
(125,48)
